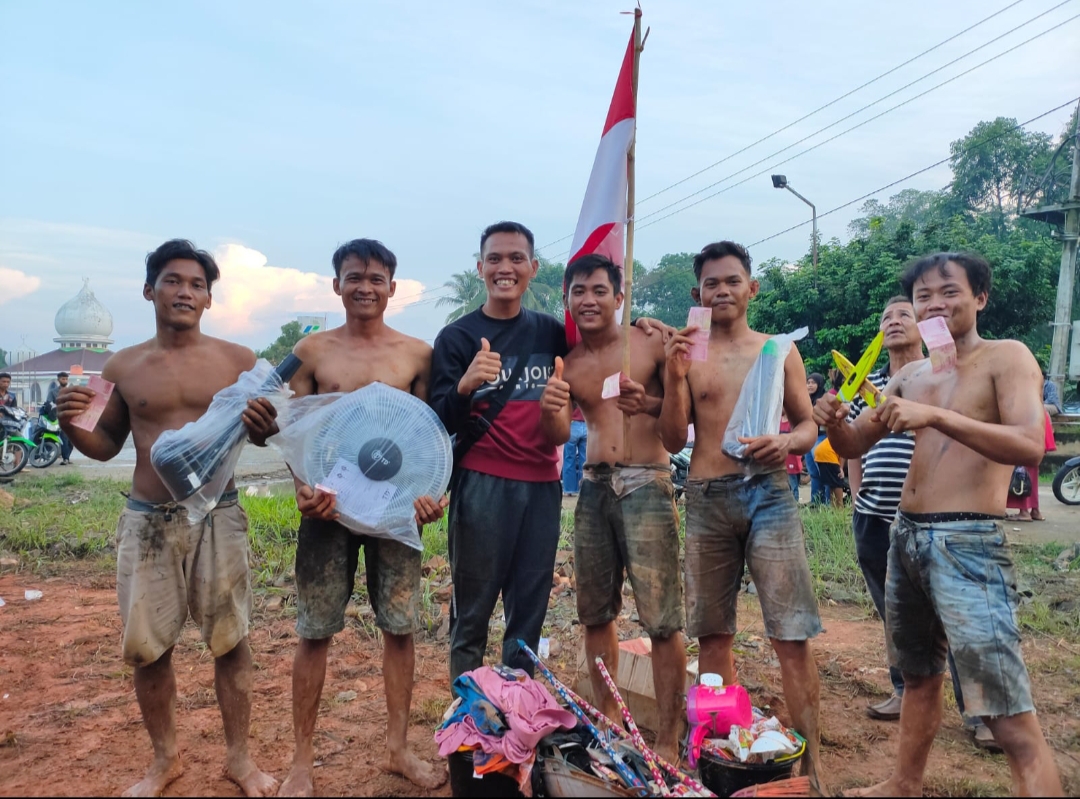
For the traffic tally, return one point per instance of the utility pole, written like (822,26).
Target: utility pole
(1067,216)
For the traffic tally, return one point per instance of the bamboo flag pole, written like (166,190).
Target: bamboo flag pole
(628,260)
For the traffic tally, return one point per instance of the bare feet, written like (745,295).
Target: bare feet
(415,770)
(157,778)
(251,780)
(299,782)
(887,788)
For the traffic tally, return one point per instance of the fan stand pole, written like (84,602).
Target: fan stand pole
(628,260)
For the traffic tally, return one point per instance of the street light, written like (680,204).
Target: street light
(780,182)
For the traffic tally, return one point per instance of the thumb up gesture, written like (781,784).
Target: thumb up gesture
(485,368)
(556,394)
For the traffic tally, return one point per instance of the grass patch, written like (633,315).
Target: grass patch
(830,549)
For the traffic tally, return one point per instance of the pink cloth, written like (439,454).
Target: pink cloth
(530,711)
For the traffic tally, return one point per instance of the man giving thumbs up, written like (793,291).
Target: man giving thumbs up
(489,371)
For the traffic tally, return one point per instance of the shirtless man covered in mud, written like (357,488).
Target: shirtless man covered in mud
(166,567)
(625,519)
(732,519)
(362,351)
(951,581)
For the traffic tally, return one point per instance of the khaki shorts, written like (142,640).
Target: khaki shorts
(166,568)
(635,529)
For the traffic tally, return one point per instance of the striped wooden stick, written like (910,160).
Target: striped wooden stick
(560,687)
(631,726)
(624,770)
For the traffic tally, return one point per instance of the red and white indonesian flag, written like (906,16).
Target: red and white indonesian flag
(601,226)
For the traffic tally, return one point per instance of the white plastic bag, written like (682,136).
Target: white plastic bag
(197,461)
(377,449)
(761,400)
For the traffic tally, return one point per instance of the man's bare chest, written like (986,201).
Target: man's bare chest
(349,374)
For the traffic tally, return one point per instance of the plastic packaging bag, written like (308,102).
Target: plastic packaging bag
(197,461)
(761,400)
(376,449)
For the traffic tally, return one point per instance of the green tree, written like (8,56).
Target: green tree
(276,352)
(992,164)
(467,293)
(664,291)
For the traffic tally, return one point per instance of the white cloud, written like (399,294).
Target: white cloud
(252,296)
(16,284)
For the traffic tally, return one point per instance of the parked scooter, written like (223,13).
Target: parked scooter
(45,437)
(14,446)
(1067,482)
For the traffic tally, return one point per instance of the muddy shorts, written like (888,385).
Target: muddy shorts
(326,558)
(166,568)
(626,519)
(731,521)
(951,583)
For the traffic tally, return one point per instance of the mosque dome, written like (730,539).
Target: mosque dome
(83,322)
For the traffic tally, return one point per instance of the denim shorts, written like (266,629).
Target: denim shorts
(637,531)
(734,520)
(952,584)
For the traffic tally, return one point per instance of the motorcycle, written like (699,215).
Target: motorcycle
(680,467)
(45,437)
(14,446)
(1067,482)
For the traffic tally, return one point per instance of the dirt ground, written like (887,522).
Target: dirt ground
(69,723)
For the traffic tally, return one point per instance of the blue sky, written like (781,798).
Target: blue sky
(272,132)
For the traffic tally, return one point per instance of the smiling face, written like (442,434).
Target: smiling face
(507,265)
(946,292)
(592,301)
(365,288)
(725,287)
(898,325)
(180,294)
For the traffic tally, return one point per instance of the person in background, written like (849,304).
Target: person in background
(819,494)
(830,472)
(573,454)
(793,463)
(65,442)
(7,399)
(1028,507)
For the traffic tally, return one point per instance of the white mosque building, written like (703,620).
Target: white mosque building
(83,326)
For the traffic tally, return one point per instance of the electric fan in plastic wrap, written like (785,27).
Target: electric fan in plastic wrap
(377,449)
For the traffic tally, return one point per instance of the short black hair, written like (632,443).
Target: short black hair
(367,250)
(5,374)
(508,227)
(975,267)
(175,249)
(587,264)
(720,249)
(61,374)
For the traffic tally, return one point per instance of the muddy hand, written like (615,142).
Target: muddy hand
(315,504)
(768,450)
(632,398)
(829,411)
(72,401)
(428,511)
(259,417)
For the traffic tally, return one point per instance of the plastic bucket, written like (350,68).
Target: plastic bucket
(725,777)
(463,783)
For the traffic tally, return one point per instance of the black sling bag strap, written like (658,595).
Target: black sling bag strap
(478,426)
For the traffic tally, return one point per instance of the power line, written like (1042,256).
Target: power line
(826,141)
(868,195)
(849,116)
(848,94)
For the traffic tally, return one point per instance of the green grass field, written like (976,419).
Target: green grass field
(61,519)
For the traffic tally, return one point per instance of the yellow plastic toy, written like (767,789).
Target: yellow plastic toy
(855,381)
